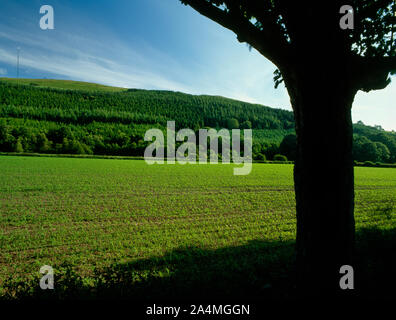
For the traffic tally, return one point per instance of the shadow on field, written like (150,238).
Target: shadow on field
(257,270)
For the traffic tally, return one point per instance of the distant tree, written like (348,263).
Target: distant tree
(7,140)
(288,146)
(261,157)
(280,157)
(257,148)
(232,124)
(370,151)
(3,130)
(59,134)
(18,146)
(378,127)
(270,149)
(387,141)
(383,154)
(246,125)
(323,66)
(367,150)
(75,147)
(358,151)
(43,145)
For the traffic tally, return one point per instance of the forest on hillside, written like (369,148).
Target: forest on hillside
(53,120)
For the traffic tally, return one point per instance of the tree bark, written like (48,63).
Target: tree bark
(323,173)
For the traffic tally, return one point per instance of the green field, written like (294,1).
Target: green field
(131,228)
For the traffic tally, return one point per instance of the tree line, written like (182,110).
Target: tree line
(46,120)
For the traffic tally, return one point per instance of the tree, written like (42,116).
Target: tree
(43,145)
(261,157)
(280,157)
(382,151)
(232,124)
(58,135)
(18,146)
(387,141)
(360,153)
(7,141)
(288,146)
(322,66)
(370,152)
(246,125)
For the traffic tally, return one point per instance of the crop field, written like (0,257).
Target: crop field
(124,225)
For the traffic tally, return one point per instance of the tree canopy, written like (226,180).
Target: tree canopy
(279,29)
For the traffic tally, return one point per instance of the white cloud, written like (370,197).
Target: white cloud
(87,68)
(3,72)
(76,57)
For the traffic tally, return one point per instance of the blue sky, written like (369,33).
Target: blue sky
(151,44)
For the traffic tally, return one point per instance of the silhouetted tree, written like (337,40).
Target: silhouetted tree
(288,146)
(323,66)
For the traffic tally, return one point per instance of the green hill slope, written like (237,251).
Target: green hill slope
(61,116)
(63,84)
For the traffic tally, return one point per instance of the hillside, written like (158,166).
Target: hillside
(59,116)
(63,84)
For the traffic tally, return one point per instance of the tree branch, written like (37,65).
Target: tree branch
(373,73)
(264,41)
(388,63)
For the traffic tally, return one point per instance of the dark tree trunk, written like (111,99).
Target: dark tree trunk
(323,174)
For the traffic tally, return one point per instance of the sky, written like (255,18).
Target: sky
(151,44)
